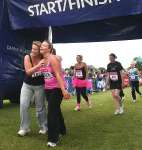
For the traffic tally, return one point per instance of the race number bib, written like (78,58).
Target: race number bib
(133,77)
(37,74)
(79,74)
(113,76)
(48,75)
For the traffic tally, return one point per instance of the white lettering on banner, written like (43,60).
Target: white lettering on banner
(78,4)
(13,48)
(31,11)
(37,10)
(89,2)
(59,5)
(53,7)
(71,4)
(43,9)
(104,2)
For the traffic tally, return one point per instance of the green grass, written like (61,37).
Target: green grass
(89,129)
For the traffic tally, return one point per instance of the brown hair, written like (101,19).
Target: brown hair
(80,56)
(113,55)
(53,51)
(37,43)
(49,43)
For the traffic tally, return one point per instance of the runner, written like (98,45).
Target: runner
(33,87)
(134,81)
(114,77)
(80,82)
(55,91)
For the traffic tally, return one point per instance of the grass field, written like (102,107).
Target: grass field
(90,129)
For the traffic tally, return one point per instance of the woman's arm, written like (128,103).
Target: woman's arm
(86,69)
(56,66)
(122,77)
(107,80)
(28,66)
(74,70)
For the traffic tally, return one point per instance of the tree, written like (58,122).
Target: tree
(138,61)
(102,69)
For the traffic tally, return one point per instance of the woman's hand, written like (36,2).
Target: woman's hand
(41,63)
(66,95)
(28,66)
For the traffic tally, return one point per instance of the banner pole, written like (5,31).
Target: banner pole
(50,37)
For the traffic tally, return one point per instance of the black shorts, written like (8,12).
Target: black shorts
(115,85)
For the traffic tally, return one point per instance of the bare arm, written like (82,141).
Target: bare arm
(86,69)
(122,75)
(74,70)
(58,73)
(107,79)
(28,66)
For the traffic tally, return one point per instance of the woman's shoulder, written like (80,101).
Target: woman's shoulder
(59,57)
(27,57)
(55,58)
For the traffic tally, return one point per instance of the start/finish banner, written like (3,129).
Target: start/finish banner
(43,13)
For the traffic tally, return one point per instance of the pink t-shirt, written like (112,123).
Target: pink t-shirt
(49,77)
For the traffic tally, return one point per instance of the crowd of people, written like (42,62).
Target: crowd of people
(45,79)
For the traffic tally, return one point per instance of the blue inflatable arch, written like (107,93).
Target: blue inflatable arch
(21,22)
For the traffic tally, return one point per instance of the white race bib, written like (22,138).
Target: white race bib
(133,77)
(36,74)
(48,75)
(113,76)
(79,73)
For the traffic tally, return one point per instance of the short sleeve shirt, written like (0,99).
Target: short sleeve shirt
(114,70)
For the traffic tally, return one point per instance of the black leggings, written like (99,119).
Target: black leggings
(55,118)
(81,91)
(134,89)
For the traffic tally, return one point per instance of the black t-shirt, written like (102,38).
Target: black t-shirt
(114,70)
(36,78)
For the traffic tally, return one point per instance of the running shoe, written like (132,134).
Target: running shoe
(51,144)
(42,131)
(89,104)
(116,112)
(133,100)
(121,110)
(23,132)
(77,108)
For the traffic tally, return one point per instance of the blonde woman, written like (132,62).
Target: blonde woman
(33,85)
(55,91)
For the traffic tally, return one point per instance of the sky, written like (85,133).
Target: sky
(96,53)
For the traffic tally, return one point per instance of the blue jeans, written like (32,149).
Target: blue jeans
(134,89)
(27,93)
